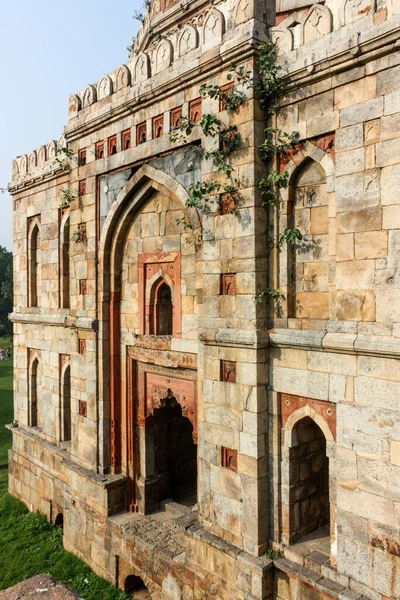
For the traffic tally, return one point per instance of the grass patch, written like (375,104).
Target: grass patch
(29,545)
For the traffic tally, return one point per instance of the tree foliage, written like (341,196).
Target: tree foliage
(6,290)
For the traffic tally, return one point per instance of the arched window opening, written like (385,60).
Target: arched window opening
(309,508)
(34,419)
(34,267)
(64,263)
(59,522)
(164,310)
(308,283)
(66,405)
(175,455)
(135,588)
(161,309)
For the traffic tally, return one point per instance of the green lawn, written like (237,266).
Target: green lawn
(29,545)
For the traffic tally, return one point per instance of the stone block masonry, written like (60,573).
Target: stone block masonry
(199,444)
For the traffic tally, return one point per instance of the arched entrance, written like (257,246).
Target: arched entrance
(135,588)
(175,454)
(309,507)
(116,300)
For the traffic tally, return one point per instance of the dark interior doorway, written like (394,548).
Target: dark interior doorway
(59,522)
(175,455)
(308,480)
(164,310)
(135,588)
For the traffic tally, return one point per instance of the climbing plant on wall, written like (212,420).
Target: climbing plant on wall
(271,87)
(276,144)
(227,137)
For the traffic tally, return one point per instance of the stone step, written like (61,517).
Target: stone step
(173,507)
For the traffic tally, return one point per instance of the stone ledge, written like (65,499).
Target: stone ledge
(104,481)
(346,343)
(235,337)
(57,320)
(259,564)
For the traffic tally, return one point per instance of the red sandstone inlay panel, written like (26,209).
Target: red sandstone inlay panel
(126,139)
(228,284)
(82,157)
(229,458)
(228,371)
(195,110)
(99,151)
(176,116)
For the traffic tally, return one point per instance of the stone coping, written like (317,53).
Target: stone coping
(314,580)
(106,482)
(339,342)
(58,320)
(260,564)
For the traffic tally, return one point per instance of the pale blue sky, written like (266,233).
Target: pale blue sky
(50,50)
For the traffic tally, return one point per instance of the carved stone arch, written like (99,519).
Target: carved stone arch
(74,105)
(163,56)
(42,155)
(61,142)
(310,150)
(32,161)
(23,165)
(89,95)
(51,149)
(317,23)
(123,78)
(161,274)
(213,28)
(142,187)
(104,87)
(188,40)
(282,37)
(307,411)
(33,222)
(351,10)
(126,201)
(243,11)
(15,169)
(141,70)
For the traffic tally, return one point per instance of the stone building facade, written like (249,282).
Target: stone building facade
(178,429)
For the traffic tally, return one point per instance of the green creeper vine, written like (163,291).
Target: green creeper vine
(276,143)
(80,234)
(63,158)
(201,192)
(67,197)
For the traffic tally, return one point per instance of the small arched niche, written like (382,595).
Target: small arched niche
(66,405)
(34,415)
(308,284)
(134,587)
(34,266)
(161,304)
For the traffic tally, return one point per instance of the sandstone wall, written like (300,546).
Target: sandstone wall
(327,351)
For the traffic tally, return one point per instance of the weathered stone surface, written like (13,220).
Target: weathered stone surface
(145,307)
